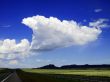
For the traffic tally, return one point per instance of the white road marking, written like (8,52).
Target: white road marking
(7,77)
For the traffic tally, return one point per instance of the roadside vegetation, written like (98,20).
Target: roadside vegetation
(3,70)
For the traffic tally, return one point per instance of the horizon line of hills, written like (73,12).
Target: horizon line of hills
(74,66)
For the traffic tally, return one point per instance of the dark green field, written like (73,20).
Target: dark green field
(60,75)
(4,70)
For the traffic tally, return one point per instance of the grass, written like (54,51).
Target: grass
(72,72)
(4,70)
(60,75)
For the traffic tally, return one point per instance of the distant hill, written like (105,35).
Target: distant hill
(51,66)
(84,66)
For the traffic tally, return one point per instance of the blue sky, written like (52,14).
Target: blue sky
(82,11)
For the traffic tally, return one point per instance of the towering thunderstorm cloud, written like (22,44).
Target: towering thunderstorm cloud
(50,33)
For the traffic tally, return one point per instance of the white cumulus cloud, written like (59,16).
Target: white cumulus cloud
(9,49)
(50,33)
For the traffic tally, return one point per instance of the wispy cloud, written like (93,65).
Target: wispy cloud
(97,10)
(41,60)
(5,25)
(13,62)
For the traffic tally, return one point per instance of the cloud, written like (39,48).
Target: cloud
(84,20)
(97,10)
(9,49)
(13,62)
(41,60)
(51,33)
(99,23)
(5,25)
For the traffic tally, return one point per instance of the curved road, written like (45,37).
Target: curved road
(12,77)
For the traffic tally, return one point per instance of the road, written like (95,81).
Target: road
(9,77)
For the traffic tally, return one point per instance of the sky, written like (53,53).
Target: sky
(35,33)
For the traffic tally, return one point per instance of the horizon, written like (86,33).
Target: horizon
(42,67)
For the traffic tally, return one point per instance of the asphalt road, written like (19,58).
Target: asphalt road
(10,77)
(4,75)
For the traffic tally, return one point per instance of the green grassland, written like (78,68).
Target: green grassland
(72,72)
(61,75)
